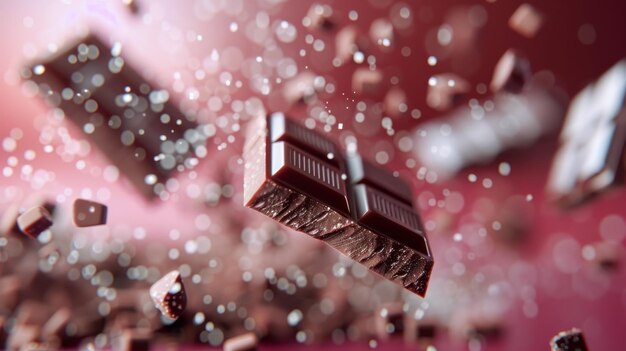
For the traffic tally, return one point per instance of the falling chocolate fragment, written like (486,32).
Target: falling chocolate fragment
(590,160)
(136,126)
(370,219)
(572,340)
(244,342)
(168,295)
(526,20)
(511,73)
(34,221)
(89,213)
(446,91)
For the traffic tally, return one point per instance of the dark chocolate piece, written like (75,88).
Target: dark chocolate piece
(390,321)
(137,127)
(89,213)
(244,342)
(34,221)
(511,73)
(295,185)
(169,296)
(572,340)
(590,160)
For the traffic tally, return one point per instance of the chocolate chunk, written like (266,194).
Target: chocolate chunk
(591,156)
(134,340)
(365,80)
(446,91)
(372,224)
(89,213)
(244,342)
(169,296)
(511,73)
(136,126)
(34,221)
(526,20)
(572,340)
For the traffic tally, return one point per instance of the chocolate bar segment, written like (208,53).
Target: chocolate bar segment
(134,125)
(363,172)
(308,193)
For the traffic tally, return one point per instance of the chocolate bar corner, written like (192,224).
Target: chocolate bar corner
(301,179)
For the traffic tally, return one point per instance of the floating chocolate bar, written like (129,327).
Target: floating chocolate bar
(298,177)
(134,125)
(591,156)
(571,340)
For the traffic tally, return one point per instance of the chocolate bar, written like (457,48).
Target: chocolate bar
(590,159)
(571,340)
(134,125)
(301,179)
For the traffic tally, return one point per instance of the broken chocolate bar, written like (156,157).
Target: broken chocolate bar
(244,342)
(572,340)
(298,177)
(136,126)
(169,296)
(590,160)
(89,213)
(34,221)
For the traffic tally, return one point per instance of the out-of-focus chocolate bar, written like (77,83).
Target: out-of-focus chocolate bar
(511,73)
(298,177)
(34,221)
(244,342)
(590,159)
(526,20)
(169,295)
(571,340)
(136,126)
(89,213)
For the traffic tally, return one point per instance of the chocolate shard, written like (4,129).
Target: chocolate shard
(307,193)
(169,296)
(571,340)
(511,74)
(34,221)
(134,125)
(526,20)
(243,342)
(89,213)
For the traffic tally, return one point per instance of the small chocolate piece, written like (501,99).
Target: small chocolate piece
(319,17)
(446,91)
(136,126)
(370,218)
(244,342)
(34,221)
(526,20)
(89,213)
(365,80)
(572,340)
(511,73)
(390,321)
(169,296)
(134,340)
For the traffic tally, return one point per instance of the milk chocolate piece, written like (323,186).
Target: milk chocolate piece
(572,340)
(365,80)
(526,20)
(34,221)
(134,340)
(244,342)
(89,213)
(169,296)
(373,224)
(134,125)
(511,73)
(446,91)
(591,157)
